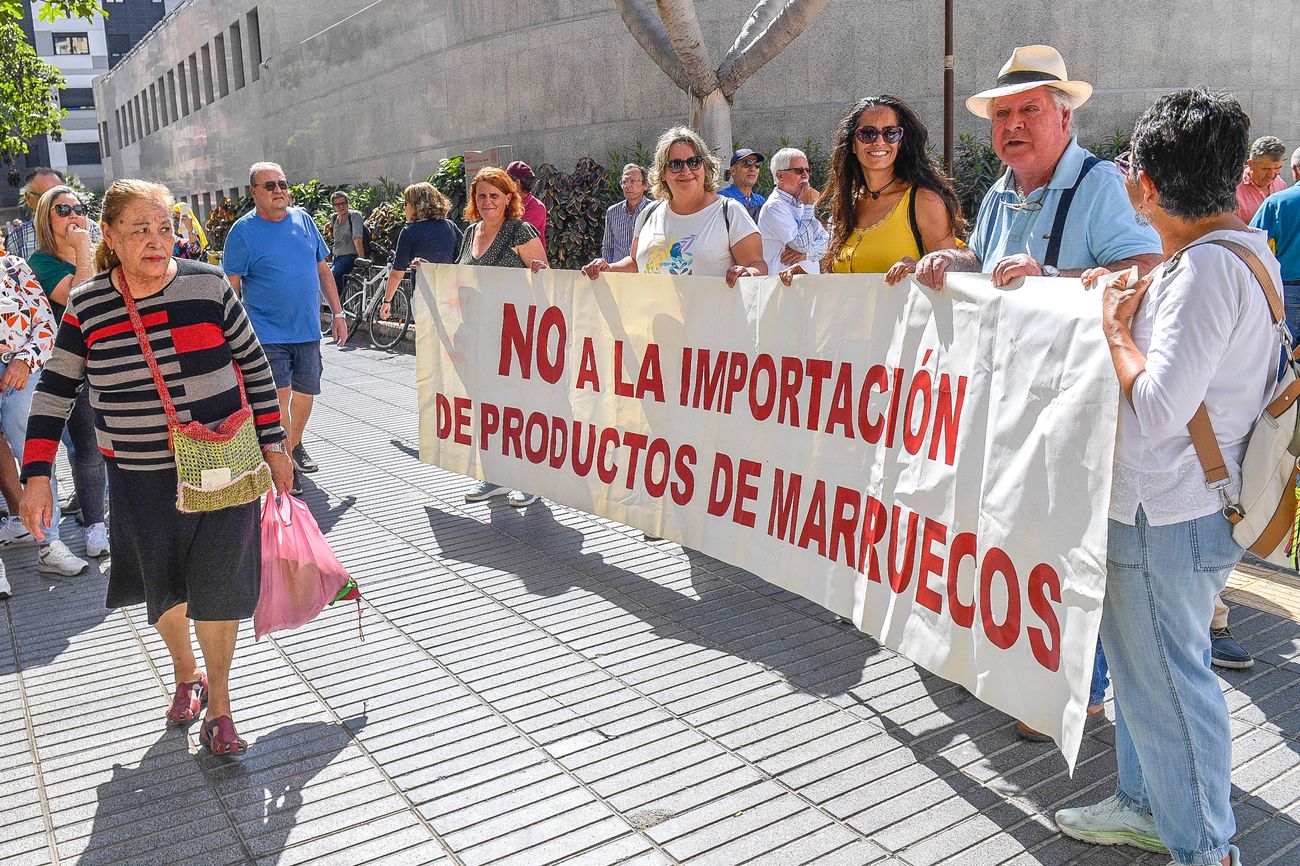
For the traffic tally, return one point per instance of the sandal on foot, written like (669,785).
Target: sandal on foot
(189,699)
(220,737)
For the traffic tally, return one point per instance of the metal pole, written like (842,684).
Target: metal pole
(947,86)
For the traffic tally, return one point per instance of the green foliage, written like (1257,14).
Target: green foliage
(975,167)
(53,10)
(223,216)
(27,88)
(1113,146)
(93,198)
(575,205)
(27,85)
(449,179)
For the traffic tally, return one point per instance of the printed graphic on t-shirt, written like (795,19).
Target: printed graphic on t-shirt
(670,257)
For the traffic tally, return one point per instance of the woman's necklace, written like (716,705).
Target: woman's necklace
(875,193)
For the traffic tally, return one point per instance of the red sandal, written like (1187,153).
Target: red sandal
(220,737)
(189,699)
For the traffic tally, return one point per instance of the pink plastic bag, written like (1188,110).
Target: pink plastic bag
(300,573)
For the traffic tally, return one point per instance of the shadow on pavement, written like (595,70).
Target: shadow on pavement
(547,556)
(48,612)
(174,805)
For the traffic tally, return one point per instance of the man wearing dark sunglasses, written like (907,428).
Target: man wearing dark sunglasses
(744,174)
(1057,210)
(275,260)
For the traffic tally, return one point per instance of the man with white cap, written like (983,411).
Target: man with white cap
(1058,210)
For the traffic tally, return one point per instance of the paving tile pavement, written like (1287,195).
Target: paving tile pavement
(546,687)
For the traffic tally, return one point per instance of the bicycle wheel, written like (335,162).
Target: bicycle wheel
(354,312)
(351,287)
(387,333)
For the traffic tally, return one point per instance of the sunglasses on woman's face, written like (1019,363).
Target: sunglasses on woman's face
(1124,162)
(677,166)
(271,185)
(64,210)
(868,134)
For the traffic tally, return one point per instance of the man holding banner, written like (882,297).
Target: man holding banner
(1024,226)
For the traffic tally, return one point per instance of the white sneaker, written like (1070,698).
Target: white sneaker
(1110,822)
(12,531)
(485,490)
(521,499)
(96,540)
(55,558)
(4,582)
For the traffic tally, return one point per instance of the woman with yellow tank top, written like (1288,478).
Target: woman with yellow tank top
(889,203)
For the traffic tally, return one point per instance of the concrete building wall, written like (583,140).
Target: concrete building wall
(351,91)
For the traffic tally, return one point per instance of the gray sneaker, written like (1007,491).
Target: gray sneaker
(1110,822)
(521,498)
(485,490)
(5,592)
(12,531)
(55,558)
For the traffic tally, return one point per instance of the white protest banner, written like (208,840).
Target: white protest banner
(935,466)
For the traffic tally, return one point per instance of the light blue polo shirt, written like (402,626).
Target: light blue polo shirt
(1101,227)
(1279,215)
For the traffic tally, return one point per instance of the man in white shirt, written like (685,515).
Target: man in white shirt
(791,232)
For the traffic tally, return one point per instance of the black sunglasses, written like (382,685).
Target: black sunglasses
(1124,162)
(678,165)
(803,169)
(270,185)
(68,209)
(868,134)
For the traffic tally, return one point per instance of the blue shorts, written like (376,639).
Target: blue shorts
(295,365)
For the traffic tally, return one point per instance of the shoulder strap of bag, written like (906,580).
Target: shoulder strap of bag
(726,216)
(911,219)
(1063,211)
(1204,441)
(147,350)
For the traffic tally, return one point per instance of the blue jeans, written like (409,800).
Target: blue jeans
(88,474)
(15,406)
(1172,740)
(341,268)
(1100,680)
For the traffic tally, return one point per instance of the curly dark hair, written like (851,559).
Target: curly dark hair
(1192,144)
(913,164)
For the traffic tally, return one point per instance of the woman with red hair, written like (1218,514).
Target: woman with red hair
(498,237)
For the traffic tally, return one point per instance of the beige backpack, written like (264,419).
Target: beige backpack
(1264,517)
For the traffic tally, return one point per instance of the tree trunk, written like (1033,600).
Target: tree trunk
(711,117)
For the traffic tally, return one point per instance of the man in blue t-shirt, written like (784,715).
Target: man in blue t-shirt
(275,259)
(1279,215)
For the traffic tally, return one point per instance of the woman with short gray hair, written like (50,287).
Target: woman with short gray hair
(690,229)
(1195,332)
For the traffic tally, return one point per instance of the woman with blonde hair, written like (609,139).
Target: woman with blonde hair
(64,258)
(427,237)
(200,566)
(690,229)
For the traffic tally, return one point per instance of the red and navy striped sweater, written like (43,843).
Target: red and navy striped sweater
(196,325)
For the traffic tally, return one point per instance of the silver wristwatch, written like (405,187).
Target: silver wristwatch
(276,447)
(1051,271)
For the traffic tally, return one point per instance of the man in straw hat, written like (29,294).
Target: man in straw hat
(1058,210)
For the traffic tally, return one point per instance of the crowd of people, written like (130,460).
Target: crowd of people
(85,367)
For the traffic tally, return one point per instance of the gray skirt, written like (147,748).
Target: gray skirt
(210,562)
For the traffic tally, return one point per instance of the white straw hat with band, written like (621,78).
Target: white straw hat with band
(1031,66)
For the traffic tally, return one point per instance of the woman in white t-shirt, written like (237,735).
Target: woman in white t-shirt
(1195,331)
(690,229)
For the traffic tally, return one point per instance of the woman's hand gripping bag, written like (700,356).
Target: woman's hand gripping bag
(300,573)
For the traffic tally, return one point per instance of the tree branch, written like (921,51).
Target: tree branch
(683,27)
(758,21)
(643,23)
(783,29)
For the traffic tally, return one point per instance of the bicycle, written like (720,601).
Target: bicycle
(362,298)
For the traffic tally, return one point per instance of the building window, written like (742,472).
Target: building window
(83,153)
(196,98)
(237,54)
(163,110)
(208,95)
(77,97)
(103,137)
(71,43)
(223,78)
(171,95)
(254,44)
(183,87)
